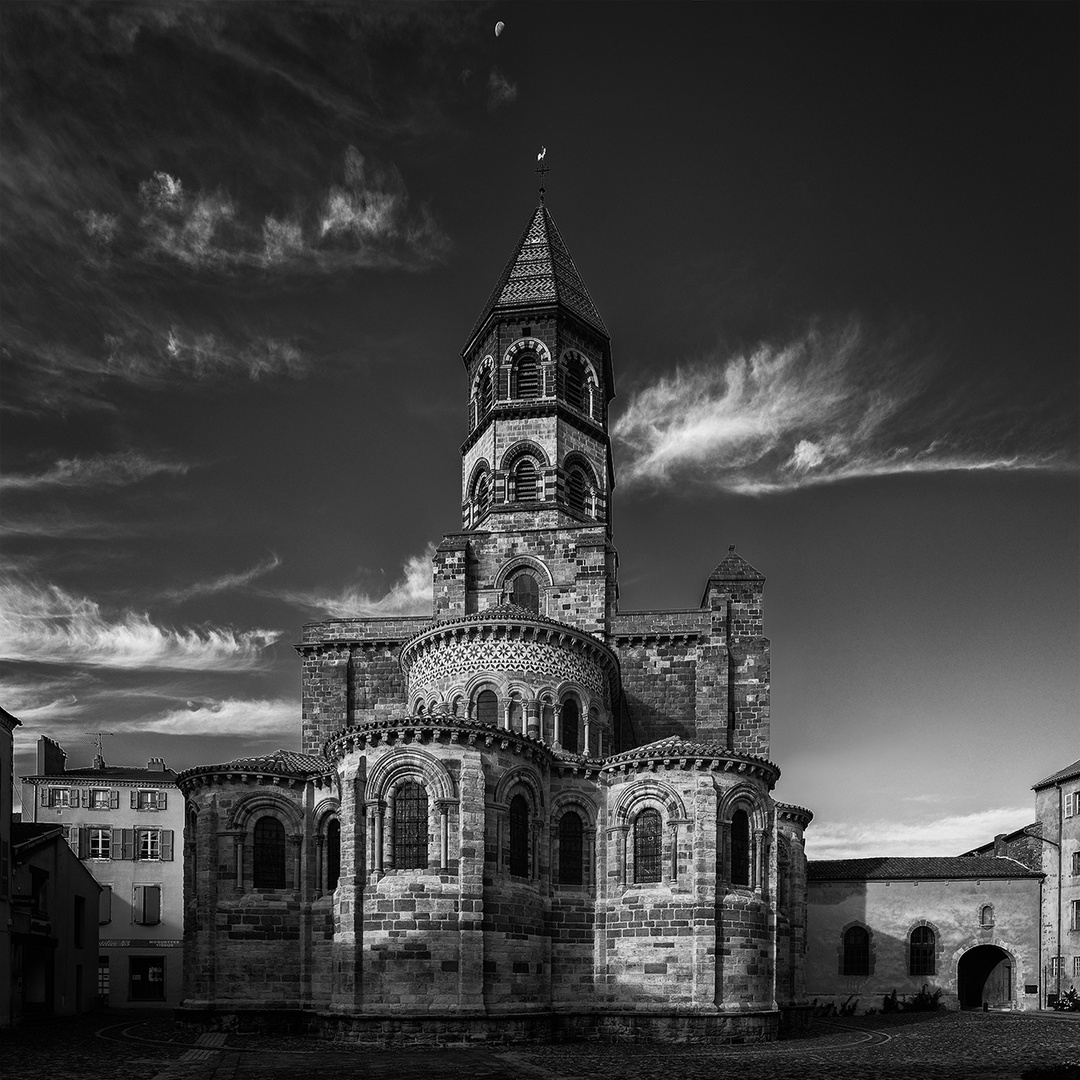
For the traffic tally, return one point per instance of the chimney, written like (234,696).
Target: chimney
(1001,849)
(51,757)
(99,762)
(156,764)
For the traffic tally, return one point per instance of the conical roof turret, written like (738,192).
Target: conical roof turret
(540,273)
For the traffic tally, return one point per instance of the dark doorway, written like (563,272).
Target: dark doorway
(984,974)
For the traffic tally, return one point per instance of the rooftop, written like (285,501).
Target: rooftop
(1067,773)
(919,868)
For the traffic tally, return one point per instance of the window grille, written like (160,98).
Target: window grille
(577,491)
(410,827)
(648,846)
(526,592)
(527,382)
(740,848)
(268,866)
(487,707)
(519,836)
(333,854)
(147,978)
(570,849)
(1076,967)
(856,951)
(526,481)
(100,799)
(571,718)
(922,947)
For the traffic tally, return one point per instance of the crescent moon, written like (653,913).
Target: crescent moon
(499,26)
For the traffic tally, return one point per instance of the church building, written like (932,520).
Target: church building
(528,813)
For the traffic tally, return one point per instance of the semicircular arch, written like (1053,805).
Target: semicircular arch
(404,763)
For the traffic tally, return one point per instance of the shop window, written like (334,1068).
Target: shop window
(268,868)
(147,978)
(410,827)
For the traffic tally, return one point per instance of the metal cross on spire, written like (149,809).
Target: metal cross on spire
(542,170)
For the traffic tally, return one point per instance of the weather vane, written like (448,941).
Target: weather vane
(542,170)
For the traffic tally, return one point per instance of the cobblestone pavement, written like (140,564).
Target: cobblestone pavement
(942,1046)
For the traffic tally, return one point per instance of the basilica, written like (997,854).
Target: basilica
(528,813)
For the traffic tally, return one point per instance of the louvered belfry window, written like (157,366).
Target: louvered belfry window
(410,827)
(483,493)
(577,491)
(648,846)
(483,395)
(570,849)
(519,836)
(525,481)
(527,377)
(574,383)
(268,869)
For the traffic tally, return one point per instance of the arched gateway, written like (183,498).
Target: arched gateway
(984,975)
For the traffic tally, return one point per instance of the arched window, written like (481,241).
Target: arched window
(526,481)
(921,951)
(740,848)
(577,490)
(571,720)
(856,951)
(986,915)
(648,846)
(410,827)
(517,713)
(487,707)
(519,836)
(527,377)
(570,852)
(576,384)
(547,719)
(333,854)
(526,592)
(482,493)
(268,868)
(484,395)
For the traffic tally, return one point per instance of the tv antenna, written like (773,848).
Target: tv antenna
(97,741)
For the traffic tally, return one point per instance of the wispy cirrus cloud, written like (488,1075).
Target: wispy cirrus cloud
(947,835)
(44,624)
(103,470)
(501,91)
(411,594)
(833,404)
(224,582)
(257,718)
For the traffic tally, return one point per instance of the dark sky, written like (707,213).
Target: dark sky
(835,247)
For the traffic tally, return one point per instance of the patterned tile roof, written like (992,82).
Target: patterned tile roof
(675,746)
(106,772)
(1064,774)
(734,567)
(286,762)
(540,272)
(920,868)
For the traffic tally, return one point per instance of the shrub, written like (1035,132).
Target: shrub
(889,1004)
(923,1001)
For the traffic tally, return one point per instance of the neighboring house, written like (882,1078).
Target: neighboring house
(54,932)
(1025,845)
(126,824)
(1057,808)
(967,926)
(8,724)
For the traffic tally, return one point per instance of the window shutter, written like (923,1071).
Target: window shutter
(84,797)
(162,800)
(166,845)
(116,848)
(138,905)
(114,800)
(152,904)
(105,904)
(45,796)
(134,799)
(84,843)
(129,844)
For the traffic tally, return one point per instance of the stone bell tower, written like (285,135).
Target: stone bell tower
(536,471)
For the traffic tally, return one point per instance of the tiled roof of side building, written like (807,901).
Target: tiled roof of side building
(918,868)
(1068,773)
(109,772)
(540,272)
(280,761)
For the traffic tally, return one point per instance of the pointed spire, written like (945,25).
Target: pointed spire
(540,272)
